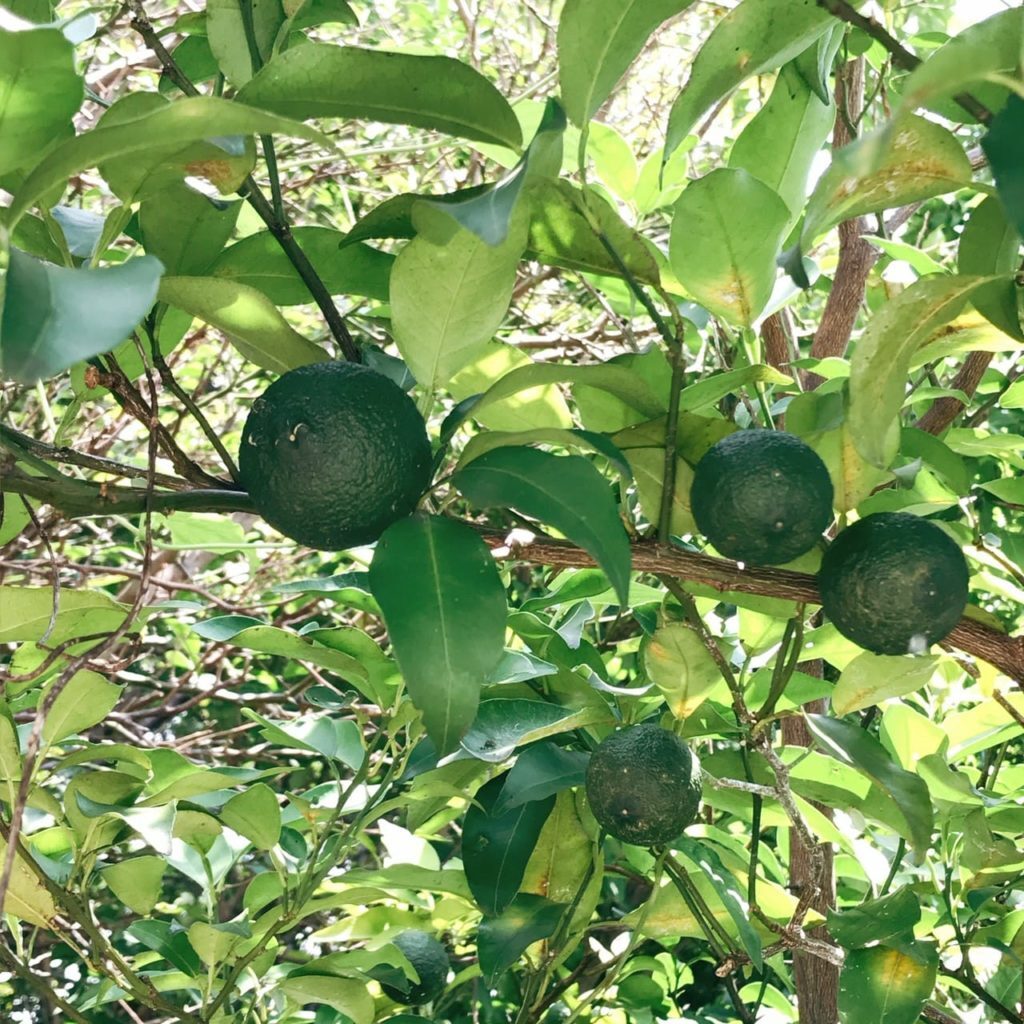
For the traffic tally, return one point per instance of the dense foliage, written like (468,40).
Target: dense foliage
(247,782)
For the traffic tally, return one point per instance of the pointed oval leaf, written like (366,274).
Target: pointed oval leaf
(444,607)
(136,882)
(872,678)
(754,37)
(648,465)
(875,920)
(881,985)
(249,319)
(566,492)
(541,770)
(1004,146)
(227,34)
(990,244)
(881,360)
(727,229)
(54,317)
(26,897)
(497,847)
(255,814)
(501,941)
(597,41)
(39,92)
(346,995)
(439,93)
(185,121)
(85,701)
(681,667)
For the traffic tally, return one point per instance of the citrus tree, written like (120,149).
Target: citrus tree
(430,431)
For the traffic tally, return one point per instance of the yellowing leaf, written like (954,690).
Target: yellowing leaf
(681,667)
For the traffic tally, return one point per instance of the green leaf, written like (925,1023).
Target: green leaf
(1004,146)
(502,940)
(853,479)
(875,920)
(900,163)
(346,995)
(754,37)
(323,12)
(714,388)
(216,943)
(254,814)
(871,678)
(136,882)
(438,93)
(992,46)
(782,140)
(566,492)
(501,725)
(247,317)
(185,121)
(39,93)
(1010,489)
(446,621)
(540,771)
(26,897)
(990,244)
(497,847)
(681,667)
(727,228)
(28,613)
(185,230)
(448,299)
(55,316)
(853,746)
(154,824)
(648,465)
(588,440)
(597,41)
(259,262)
(170,941)
(229,37)
(728,891)
(881,985)
(881,360)
(85,701)
(337,738)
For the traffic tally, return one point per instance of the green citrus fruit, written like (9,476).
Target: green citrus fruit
(430,959)
(333,453)
(761,496)
(894,583)
(644,785)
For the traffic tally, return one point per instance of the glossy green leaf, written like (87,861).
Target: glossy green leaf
(29,613)
(597,41)
(39,93)
(541,770)
(26,897)
(248,318)
(502,940)
(565,492)
(497,847)
(86,699)
(754,37)
(439,93)
(782,140)
(727,229)
(712,389)
(229,37)
(185,121)
(875,920)
(136,882)
(992,46)
(55,316)
(255,814)
(588,440)
(322,12)
(853,746)
(681,667)
(882,985)
(216,943)
(446,620)
(1004,146)
(448,299)
(881,360)
(726,889)
(154,824)
(259,262)
(903,162)
(337,738)
(990,244)
(501,725)
(185,230)
(648,465)
(872,678)
(169,941)
(346,995)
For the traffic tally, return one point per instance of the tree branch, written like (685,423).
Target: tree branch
(946,409)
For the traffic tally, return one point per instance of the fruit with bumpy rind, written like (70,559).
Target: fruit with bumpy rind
(333,453)
(762,497)
(644,785)
(431,961)
(894,583)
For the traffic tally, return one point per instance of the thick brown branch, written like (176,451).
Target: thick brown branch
(947,408)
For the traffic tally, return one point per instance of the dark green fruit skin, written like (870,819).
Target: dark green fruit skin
(894,583)
(644,785)
(431,961)
(761,496)
(334,453)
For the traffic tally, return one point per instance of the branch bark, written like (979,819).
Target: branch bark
(944,410)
